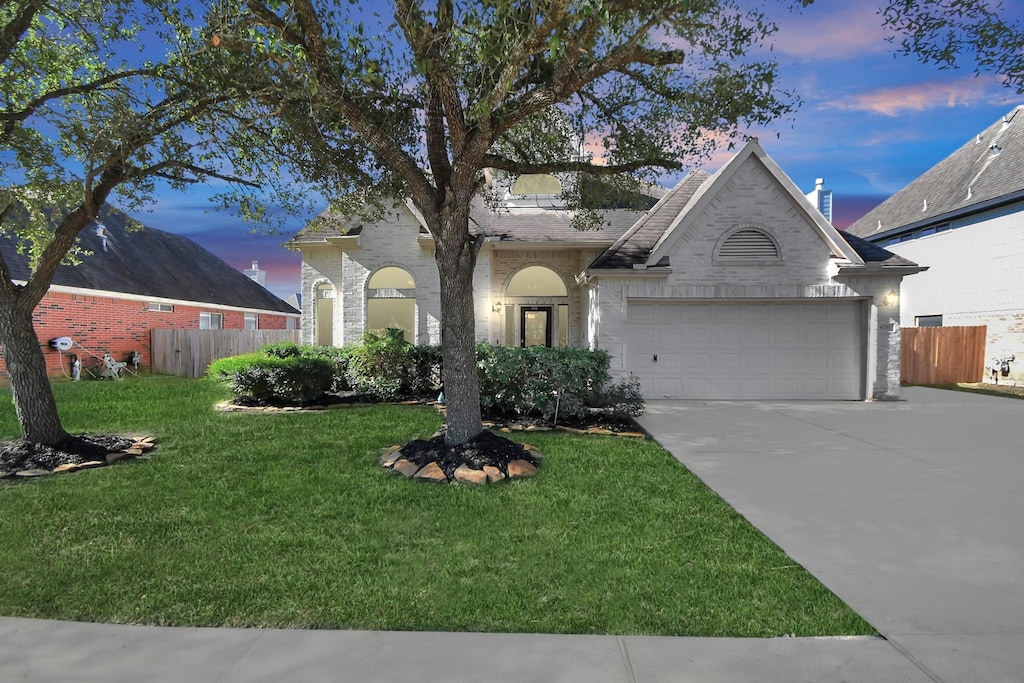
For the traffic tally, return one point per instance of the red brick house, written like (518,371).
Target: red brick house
(137,281)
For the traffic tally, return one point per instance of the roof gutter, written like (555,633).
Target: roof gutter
(878,268)
(948,216)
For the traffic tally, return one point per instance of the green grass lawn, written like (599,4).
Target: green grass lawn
(285,520)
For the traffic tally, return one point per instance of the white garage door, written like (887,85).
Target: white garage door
(747,350)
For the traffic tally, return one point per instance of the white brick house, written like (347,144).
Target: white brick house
(964,217)
(731,286)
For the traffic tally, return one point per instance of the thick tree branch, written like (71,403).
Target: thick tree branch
(319,60)
(14,29)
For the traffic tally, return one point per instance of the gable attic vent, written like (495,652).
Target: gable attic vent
(748,244)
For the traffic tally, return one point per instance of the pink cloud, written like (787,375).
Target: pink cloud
(821,33)
(593,144)
(921,97)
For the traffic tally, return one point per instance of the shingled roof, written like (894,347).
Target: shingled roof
(872,253)
(151,263)
(635,245)
(984,173)
(518,224)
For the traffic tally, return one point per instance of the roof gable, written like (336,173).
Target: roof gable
(706,193)
(987,168)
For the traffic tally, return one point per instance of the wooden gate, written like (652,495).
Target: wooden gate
(942,355)
(188,353)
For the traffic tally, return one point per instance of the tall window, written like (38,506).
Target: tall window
(324,314)
(211,321)
(391,301)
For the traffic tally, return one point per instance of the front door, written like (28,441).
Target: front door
(535,326)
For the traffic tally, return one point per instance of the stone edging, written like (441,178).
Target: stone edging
(140,445)
(391,459)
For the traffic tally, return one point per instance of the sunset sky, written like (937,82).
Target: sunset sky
(870,123)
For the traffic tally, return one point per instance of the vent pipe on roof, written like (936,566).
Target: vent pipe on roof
(924,206)
(996,149)
(970,192)
(101,232)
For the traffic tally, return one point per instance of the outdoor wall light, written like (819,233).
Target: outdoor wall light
(892,298)
(496,308)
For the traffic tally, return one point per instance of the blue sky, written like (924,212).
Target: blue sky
(870,123)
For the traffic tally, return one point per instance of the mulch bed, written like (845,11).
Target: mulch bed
(22,455)
(486,449)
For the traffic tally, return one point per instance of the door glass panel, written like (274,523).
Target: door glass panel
(536,328)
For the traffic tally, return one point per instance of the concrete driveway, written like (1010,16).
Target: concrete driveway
(910,511)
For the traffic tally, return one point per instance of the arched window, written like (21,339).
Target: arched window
(536,183)
(747,244)
(391,301)
(536,281)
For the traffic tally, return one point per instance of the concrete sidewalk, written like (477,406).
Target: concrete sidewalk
(909,511)
(62,652)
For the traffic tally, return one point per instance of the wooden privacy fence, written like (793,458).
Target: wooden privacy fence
(942,355)
(188,353)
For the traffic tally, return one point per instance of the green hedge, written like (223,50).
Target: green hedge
(549,382)
(257,378)
(387,367)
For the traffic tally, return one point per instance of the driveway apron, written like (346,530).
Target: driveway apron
(911,511)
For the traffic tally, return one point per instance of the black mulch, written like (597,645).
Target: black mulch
(486,449)
(23,455)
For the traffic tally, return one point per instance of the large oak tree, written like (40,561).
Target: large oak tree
(418,103)
(96,98)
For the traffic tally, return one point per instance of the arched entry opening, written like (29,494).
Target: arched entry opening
(537,308)
(391,301)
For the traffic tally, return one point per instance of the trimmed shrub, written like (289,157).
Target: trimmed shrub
(268,379)
(222,369)
(387,367)
(621,398)
(282,350)
(540,380)
(338,357)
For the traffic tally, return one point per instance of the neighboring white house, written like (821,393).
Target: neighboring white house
(731,286)
(964,218)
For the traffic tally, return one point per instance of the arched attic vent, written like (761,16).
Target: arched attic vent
(748,244)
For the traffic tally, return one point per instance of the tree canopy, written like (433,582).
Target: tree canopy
(96,98)
(949,33)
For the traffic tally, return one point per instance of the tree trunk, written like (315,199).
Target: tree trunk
(26,366)
(455,254)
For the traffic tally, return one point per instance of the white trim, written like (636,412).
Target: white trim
(125,296)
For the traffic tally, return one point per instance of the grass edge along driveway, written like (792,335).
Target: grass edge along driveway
(285,520)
